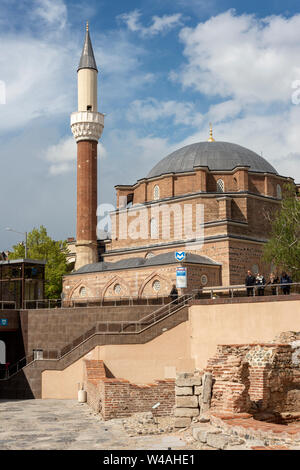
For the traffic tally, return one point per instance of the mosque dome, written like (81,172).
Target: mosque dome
(217,156)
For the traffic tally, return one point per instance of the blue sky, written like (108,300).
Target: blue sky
(166,70)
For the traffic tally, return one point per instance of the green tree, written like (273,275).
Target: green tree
(41,247)
(283,248)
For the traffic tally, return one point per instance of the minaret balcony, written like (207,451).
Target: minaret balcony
(87,125)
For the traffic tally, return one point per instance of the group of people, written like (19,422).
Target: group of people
(259,281)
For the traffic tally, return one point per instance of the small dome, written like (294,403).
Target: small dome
(215,155)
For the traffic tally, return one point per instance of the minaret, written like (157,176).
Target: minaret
(87,126)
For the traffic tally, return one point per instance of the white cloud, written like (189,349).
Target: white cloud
(62,156)
(151,109)
(250,64)
(160,24)
(241,57)
(53,12)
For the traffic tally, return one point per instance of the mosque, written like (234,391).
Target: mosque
(203,213)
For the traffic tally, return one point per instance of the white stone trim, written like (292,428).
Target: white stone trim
(87,125)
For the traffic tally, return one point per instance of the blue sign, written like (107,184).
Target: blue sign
(3,321)
(181,278)
(180,255)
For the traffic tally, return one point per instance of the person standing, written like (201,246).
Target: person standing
(260,281)
(174,294)
(249,281)
(273,280)
(285,280)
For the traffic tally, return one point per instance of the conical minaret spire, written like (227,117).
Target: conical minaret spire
(87,126)
(87,59)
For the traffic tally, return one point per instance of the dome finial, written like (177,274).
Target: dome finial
(211,139)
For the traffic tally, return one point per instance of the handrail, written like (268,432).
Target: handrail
(184,298)
(10,302)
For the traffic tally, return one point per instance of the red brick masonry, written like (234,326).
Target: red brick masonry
(118,398)
(246,427)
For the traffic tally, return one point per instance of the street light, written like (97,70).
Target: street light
(9,229)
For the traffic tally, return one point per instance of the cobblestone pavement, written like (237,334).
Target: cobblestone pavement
(69,425)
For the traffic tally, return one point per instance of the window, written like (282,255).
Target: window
(82,292)
(220,186)
(156,286)
(153,228)
(255,269)
(156,193)
(279,192)
(117,289)
(89,108)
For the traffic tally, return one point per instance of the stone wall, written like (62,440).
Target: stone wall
(192,397)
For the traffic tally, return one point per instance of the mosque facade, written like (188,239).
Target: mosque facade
(204,210)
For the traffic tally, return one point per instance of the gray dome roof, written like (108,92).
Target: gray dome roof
(214,155)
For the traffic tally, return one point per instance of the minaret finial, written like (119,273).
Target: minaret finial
(211,139)
(87,26)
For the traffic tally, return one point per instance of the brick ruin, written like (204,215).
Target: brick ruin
(249,390)
(261,379)
(118,398)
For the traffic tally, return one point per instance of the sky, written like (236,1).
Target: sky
(166,69)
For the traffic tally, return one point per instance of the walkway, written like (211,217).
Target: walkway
(69,425)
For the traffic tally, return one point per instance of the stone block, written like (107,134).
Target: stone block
(188,381)
(187,402)
(204,408)
(217,441)
(182,422)
(183,391)
(198,390)
(207,387)
(186,412)
(200,434)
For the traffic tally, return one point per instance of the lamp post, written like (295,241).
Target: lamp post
(22,233)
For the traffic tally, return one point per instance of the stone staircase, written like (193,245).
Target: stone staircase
(27,382)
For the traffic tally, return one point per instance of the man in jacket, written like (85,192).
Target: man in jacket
(249,281)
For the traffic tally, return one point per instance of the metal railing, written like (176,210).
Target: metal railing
(7,372)
(7,305)
(247,291)
(111,327)
(95,302)
(201,293)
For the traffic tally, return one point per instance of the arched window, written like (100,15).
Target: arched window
(156,193)
(279,192)
(153,228)
(82,292)
(220,186)
(117,289)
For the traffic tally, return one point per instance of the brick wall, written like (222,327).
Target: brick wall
(255,376)
(117,398)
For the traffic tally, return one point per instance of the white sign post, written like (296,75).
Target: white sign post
(181,278)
